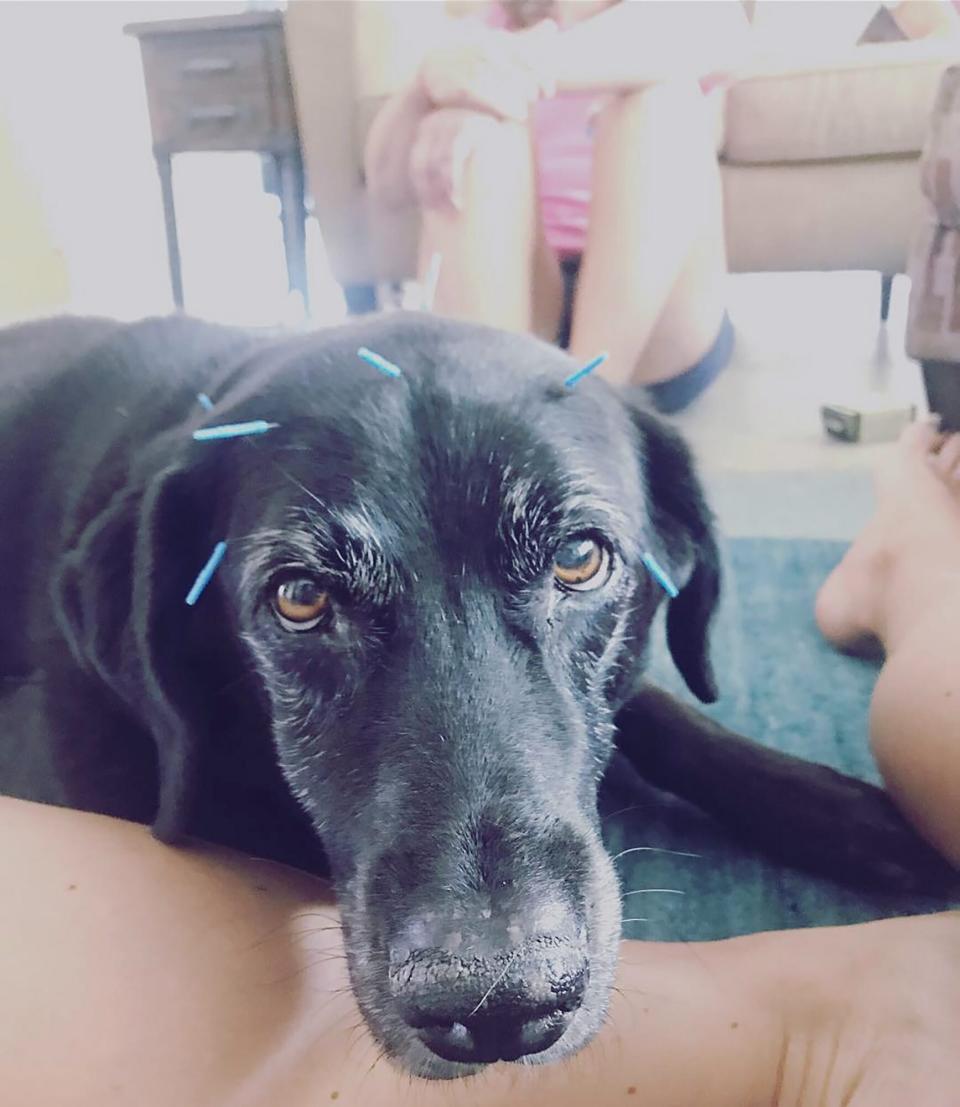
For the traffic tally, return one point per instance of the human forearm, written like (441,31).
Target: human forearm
(632,44)
(477,70)
(156,975)
(867,1015)
(391,138)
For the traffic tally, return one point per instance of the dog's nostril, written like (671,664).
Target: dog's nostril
(489,985)
(494,1037)
(451,1041)
(486,1014)
(536,1035)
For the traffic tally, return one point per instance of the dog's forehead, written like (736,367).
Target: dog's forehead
(471,399)
(478,425)
(462,389)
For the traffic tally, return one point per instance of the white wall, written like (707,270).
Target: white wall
(73,100)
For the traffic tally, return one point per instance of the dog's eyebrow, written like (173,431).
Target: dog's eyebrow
(536,514)
(345,543)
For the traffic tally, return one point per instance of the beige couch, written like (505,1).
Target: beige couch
(819,155)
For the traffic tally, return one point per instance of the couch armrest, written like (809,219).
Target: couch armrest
(805,105)
(770,60)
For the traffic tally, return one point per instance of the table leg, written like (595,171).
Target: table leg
(165,169)
(293,217)
(886,287)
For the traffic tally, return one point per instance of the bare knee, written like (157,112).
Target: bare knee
(469,157)
(673,101)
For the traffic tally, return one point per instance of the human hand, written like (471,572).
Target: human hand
(445,140)
(869,1015)
(493,71)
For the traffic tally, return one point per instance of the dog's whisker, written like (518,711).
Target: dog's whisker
(301,969)
(331,995)
(637,920)
(358,1036)
(281,930)
(651,806)
(299,484)
(298,874)
(381,1056)
(654,849)
(316,915)
(643,891)
(331,922)
(273,932)
(280,469)
(486,995)
(236,539)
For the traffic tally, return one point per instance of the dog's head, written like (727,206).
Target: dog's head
(439,582)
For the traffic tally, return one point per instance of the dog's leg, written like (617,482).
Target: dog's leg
(804,814)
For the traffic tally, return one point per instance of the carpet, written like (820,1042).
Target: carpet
(782,685)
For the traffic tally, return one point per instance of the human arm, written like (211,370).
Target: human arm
(139,974)
(638,42)
(478,71)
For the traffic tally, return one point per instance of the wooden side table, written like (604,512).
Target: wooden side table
(222,83)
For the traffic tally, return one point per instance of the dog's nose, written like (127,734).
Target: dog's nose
(492,992)
(494,1035)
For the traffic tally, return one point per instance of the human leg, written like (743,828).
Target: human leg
(652,286)
(898,587)
(496,268)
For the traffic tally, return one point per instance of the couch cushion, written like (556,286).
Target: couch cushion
(854,213)
(869,101)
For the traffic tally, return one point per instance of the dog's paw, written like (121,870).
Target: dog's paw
(846,829)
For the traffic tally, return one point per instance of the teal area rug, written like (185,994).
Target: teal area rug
(782,685)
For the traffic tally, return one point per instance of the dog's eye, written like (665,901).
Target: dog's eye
(581,564)
(300,603)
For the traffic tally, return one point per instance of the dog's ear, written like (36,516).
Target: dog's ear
(119,600)
(683,524)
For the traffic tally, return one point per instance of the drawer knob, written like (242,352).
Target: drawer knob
(202,66)
(226,113)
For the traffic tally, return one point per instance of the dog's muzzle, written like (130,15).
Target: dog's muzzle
(491,986)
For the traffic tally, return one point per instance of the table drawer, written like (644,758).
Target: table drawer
(209,91)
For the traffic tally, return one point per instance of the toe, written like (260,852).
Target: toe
(921,438)
(947,458)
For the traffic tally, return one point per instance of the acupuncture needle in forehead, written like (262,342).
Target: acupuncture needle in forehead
(233,430)
(244,431)
(586,370)
(378,361)
(206,574)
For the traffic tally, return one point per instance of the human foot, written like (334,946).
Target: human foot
(916,526)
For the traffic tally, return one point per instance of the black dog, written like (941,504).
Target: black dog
(424,641)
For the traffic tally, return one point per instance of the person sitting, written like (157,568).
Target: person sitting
(605,232)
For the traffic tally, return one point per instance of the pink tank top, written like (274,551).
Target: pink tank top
(563,138)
